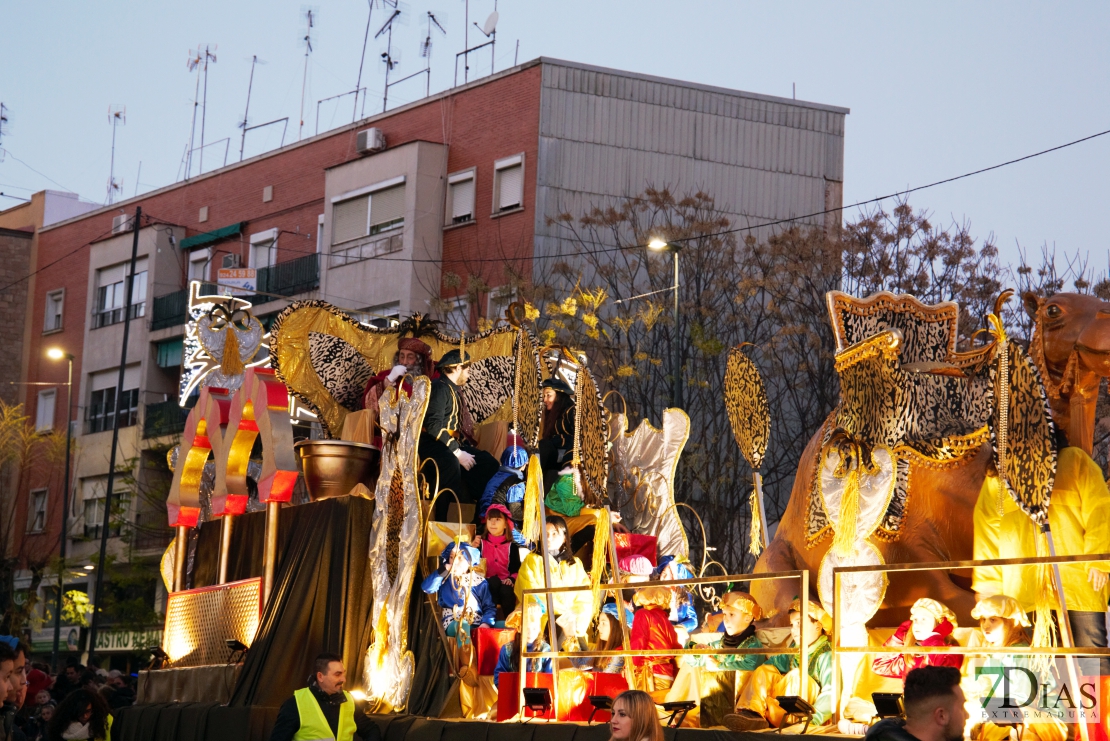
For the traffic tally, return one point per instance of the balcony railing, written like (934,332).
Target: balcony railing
(173,308)
(151,532)
(290,278)
(164,418)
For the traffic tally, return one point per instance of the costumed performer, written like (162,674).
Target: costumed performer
(1003,624)
(652,629)
(448,439)
(573,610)
(460,591)
(508,660)
(414,358)
(683,615)
(502,557)
(634,569)
(715,681)
(930,624)
(1079,517)
(556,447)
(506,487)
(757,707)
(609,638)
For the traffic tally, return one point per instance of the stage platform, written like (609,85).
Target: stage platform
(211,722)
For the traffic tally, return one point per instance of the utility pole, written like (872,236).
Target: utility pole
(65,514)
(107,520)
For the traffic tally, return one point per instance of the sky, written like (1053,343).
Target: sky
(935,89)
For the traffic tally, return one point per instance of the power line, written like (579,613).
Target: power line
(9,153)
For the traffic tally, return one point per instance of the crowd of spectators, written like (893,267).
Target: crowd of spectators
(77,703)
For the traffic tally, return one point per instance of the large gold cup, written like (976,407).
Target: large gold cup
(333,467)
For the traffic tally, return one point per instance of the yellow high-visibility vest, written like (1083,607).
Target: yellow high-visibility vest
(314,726)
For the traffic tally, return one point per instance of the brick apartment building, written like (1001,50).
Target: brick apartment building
(472,172)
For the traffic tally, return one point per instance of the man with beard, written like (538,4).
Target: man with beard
(413,358)
(934,704)
(448,442)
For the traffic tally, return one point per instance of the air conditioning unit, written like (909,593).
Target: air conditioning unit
(121,223)
(369,141)
(229,261)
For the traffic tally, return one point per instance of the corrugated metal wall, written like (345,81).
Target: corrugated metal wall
(609,134)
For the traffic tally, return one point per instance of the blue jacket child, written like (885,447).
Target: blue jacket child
(463,594)
(683,613)
(507,487)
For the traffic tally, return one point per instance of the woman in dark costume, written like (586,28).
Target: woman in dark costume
(557,435)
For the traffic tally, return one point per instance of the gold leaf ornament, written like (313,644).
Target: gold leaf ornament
(746,402)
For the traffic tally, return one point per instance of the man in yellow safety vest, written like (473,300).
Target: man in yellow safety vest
(323,711)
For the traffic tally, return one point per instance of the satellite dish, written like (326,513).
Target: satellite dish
(490,24)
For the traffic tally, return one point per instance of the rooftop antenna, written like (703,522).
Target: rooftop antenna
(193,63)
(117,116)
(3,127)
(426,49)
(489,30)
(310,21)
(387,55)
(362,59)
(204,110)
(246,113)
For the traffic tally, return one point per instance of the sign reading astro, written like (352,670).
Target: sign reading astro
(128,640)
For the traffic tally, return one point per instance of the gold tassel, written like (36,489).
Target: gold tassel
(1044,629)
(844,541)
(597,567)
(533,501)
(755,533)
(231,364)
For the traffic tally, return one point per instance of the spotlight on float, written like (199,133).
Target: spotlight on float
(600,702)
(537,699)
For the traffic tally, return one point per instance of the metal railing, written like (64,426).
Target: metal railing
(173,308)
(290,277)
(150,532)
(1065,631)
(164,418)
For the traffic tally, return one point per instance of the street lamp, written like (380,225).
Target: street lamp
(658,244)
(56,353)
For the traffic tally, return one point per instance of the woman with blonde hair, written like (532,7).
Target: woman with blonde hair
(635,718)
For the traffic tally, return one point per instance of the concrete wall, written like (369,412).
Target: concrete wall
(410,276)
(606,134)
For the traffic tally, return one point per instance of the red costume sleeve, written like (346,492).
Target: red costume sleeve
(893,665)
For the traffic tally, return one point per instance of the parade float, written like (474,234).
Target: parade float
(289,544)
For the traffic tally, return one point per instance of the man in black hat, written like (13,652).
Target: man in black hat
(448,437)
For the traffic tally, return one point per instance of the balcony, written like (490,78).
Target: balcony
(289,278)
(150,532)
(173,308)
(164,418)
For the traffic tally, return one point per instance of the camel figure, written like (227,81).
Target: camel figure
(1070,347)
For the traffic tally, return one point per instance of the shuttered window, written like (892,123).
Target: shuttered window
(349,219)
(387,208)
(462,201)
(510,187)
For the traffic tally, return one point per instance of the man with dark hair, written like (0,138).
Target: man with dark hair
(68,680)
(17,690)
(934,708)
(323,709)
(7,681)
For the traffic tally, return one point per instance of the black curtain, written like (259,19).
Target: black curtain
(320,601)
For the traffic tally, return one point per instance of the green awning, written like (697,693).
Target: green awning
(199,240)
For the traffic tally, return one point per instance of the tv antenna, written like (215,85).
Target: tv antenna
(246,113)
(3,125)
(426,49)
(365,40)
(117,116)
(489,29)
(198,62)
(388,57)
(310,16)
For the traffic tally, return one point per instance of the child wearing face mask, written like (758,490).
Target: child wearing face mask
(930,624)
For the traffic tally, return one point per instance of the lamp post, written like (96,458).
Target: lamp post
(56,353)
(658,244)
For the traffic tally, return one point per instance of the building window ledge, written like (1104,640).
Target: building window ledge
(56,330)
(460,225)
(506,212)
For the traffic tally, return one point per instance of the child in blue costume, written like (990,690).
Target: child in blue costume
(463,594)
(683,614)
(509,658)
(507,487)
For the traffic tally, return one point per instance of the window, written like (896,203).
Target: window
(171,353)
(55,306)
(378,209)
(320,233)
(110,288)
(103,405)
(457,315)
(44,410)
(94,516)
(508,183)
(36,511)
(460,197)
(198,264)
(500,298)
(381,316)
(264,249)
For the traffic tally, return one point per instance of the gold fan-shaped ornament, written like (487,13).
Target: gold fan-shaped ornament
(749,415)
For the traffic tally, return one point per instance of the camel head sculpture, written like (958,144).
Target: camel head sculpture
(1071,348)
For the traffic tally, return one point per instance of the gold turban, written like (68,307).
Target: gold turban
(816,612)
(742,602)
(1001,606)
(933,609)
